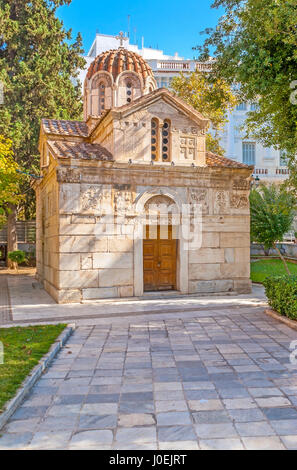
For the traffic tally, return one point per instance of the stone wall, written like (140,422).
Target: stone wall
(47,232)
(82,255)
(129,137)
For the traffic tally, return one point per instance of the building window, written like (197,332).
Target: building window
(249,153)
(166,141)
(254,106)
(241,107)
(101,98)
(155,139)
(129,92)
(283,160)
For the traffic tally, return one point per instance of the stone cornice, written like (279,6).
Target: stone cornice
(156,175)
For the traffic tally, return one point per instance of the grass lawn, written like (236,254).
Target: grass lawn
(23,348)
(266,267)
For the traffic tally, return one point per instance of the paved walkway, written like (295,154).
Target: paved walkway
(212,379)
(31,304)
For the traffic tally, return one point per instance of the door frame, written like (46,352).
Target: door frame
(182,258)
(173,240)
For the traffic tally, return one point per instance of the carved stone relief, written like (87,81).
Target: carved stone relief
(239,201)
(95,199)
(162,209)
(200,196)
(188,146)
(68,175)
(241,183)
(123,203)
(221,202)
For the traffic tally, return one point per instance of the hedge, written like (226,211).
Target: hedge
(281,292)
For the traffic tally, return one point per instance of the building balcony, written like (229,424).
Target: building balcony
(203,66)
(179,66)
(272,173)
(174,65)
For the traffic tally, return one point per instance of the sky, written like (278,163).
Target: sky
(172,26)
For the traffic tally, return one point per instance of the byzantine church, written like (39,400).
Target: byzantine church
(137,147)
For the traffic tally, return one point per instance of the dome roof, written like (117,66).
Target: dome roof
(118,61)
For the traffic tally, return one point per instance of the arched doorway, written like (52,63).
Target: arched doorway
(160,244)
(170,232)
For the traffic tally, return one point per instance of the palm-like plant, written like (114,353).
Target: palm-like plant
(272,214)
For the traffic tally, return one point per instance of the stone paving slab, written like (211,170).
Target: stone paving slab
(175,383)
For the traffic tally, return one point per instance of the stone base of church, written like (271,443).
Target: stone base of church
(222,286)
(239,286)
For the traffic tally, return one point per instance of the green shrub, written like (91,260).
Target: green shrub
(17,256)
(281,292)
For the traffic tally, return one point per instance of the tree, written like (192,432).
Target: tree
(272,215)
(210,97)
(38,68)
(254,45)
(10,180)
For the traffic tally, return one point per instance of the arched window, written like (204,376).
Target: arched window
(155,139)
(129,91)
(166,141)
(101,97)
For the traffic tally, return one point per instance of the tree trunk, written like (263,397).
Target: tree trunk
(12,241)
(282,258)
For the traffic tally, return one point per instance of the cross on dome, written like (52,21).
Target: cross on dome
(121,38)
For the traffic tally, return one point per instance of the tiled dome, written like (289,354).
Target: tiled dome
(118,61)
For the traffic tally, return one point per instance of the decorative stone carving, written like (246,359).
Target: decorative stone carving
(221,202)
(68,175)
(95,199)
(123,202)
(159,201)
(200,196)
(164,208)
(241,183)
(188,145)
(239,201)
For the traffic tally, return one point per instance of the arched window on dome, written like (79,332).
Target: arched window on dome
(101,97)
(166,144)
(98,96)
(155,142)
(129,91)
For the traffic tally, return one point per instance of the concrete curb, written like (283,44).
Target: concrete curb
(281,318)
(35,374)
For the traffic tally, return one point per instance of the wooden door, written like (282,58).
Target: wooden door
(159,261)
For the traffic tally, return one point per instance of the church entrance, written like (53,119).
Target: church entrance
(159,258)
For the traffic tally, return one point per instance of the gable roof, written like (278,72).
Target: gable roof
(80,150)
(66,128)
(152,98)
(214,160)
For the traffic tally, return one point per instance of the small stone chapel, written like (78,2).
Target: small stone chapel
(137,146)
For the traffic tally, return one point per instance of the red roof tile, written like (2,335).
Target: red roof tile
(214,160)
(120,60)
(81,150)
(67,128)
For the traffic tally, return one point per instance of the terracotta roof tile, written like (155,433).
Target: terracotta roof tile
(81,151)
(67,128)
(214,160)
(119,60)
